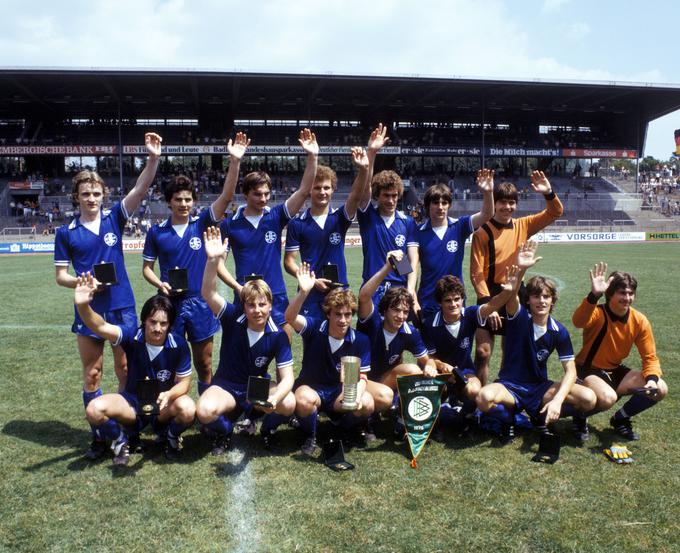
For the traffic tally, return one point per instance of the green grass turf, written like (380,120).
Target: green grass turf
(466,495)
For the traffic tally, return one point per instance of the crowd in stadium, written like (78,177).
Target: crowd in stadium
(412,298)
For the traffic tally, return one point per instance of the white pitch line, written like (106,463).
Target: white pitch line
(241,510)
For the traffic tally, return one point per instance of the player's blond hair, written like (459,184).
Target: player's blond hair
(255,288)
(338,298)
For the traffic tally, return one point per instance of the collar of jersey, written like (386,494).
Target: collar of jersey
(349,337)
(438,319)
(168,221)
(240,212)
(76,220)
(428,223)
(614,317)
(397,214)
(500,225)
(403,329)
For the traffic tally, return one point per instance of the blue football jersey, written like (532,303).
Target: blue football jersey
(384,357)
(238,359)
(440,256)
(321,366)
(377,239)
(258,250)
(525,360)
(163,243)
(173,361)
(75,244)
(454,350)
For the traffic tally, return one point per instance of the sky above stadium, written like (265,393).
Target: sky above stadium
(546,39)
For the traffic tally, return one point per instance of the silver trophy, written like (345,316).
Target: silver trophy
(349,376)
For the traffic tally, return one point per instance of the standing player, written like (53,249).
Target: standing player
(177,243)
(95,236)
(441,239)
(390,335)
(324,342)
(254,231)
(319,233)
(494,248)
(250,340)
(531,336)
(609,332)
(383,228)
(153,352)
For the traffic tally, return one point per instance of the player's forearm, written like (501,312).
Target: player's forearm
(293,309)
(66,280)
(478,219)
(96,323)
(151,277)
(290,264)
(372,284)
(284,385)
(222,201)
(181,388)
(226,277)
(356,193)
(136,195)
(584,312)
(296,201)
(209,285)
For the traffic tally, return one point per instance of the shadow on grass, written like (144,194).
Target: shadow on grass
(53,434)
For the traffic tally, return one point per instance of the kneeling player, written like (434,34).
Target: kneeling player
(531,336)
(153,352)
(449,333)
(609,332)
(325,342)
(390,335)
(250,340)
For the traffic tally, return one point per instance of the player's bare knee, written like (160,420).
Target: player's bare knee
(606,399)
(206,412)
(587,400)
(484,399)
(286,406)
(472,388)
(483,352)
(94,412)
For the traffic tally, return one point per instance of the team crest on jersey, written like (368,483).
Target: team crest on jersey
(163,375)
(335,238)
(542,354)
(452,246)
(465,343)
(393,359)
(110,239)
(195,243)
(400,240)
(261,362)
(270,237)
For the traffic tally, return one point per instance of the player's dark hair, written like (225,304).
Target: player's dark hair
(505,191)
(87,176)
(448,285)
(255,179)
(395,297)
(337,298)
(435,193)
(177,184)
(323,172)
(386,180)
(158,303)
(539,284)
(620,280)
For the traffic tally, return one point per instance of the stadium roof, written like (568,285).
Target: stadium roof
(58,93)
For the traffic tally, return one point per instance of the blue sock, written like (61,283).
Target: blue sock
(271,422)
(469,406)
(175,428)
(110,430)
(308,424)
(159,428)
(202,386)
(501,413)
(221,425)
(634,406)
(87,398)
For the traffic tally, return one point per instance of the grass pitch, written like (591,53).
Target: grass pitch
(467,494)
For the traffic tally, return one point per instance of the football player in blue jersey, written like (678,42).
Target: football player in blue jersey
(383,228)
(318,233)
(153,353)
(324,342)
(531,336)
(95,236)
(250,340)
(441,239)
(254,231)
(390,335)
(177,243)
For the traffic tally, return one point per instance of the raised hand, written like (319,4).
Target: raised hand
(598,279)
(152,141)
(397,255)
(305,278)
(485,179)
(86,286)
(238,146)
(540,183)
(214,247)
(512,275)
(526,257)
(378,138)
(359,157)
(308,142)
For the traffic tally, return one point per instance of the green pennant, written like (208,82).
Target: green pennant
(420,401)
